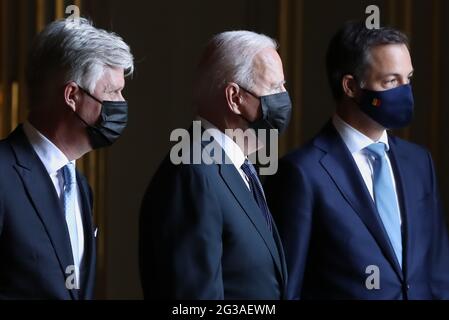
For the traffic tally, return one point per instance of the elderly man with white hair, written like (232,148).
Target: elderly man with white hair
(75,77)
(205,230)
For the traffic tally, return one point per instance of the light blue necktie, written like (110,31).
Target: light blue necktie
(385,197)
(70,191)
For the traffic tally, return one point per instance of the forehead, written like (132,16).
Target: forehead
(268,66)
(391,58)
(112,78)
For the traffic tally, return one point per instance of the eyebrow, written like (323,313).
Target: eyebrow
(397,74)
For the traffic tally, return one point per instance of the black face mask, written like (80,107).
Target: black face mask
(113,120)
(276,111)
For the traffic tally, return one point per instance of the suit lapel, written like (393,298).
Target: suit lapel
(280,248)
(234,182)
(341,167)
(88,274)
(42,194)
(236,185)
(404,179)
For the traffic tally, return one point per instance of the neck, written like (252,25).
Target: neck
(231,122)
(66,138)
(361,122)
(217,119)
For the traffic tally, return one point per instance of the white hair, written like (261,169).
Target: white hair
(229,57)
(79,50)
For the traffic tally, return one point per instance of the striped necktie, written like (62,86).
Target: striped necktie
(70,192)
(385,197)
(257,191)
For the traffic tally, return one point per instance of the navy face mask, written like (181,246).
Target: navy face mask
(112,123)
(276,111)
(392,109)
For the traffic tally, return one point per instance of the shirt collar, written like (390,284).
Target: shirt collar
(354,139)
(232,150)
(52,158)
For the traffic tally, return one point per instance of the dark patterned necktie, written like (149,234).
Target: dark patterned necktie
(257,191)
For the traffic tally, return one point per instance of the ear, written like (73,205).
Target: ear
(350,86)
(71,95)
(233,97)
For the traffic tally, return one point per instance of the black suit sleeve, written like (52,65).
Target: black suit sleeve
(181,236)
(440,253)
(290,200)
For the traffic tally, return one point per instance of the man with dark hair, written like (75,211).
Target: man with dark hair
(357,208)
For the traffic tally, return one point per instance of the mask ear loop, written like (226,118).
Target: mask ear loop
(247,91)
(91,127)
(259,98)
(90,95)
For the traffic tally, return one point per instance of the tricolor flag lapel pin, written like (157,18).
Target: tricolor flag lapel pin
(376,102)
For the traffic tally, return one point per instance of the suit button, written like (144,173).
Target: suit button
(408,287)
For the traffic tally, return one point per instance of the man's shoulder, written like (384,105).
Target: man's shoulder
(173,169)
(307,153)
(314,149)
(7,163)
(6,152)
(15,140)
(407,147)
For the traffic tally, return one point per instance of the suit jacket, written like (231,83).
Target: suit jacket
(203,236)
(35,248)
(333,235)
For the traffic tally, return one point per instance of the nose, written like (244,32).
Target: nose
(404,81)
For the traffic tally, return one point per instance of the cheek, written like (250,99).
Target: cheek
(252,111)
(90,112)
(373,81)
(374,85)
(379,87)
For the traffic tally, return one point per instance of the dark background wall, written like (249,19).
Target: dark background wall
(167,38)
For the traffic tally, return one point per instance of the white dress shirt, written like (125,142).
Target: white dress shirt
(356,142)
(54,160)
(232,150)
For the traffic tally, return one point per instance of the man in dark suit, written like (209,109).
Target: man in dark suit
(357,208)
(47,240)
(205,229)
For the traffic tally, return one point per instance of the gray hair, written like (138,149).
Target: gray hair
(78,50)
(229,57)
